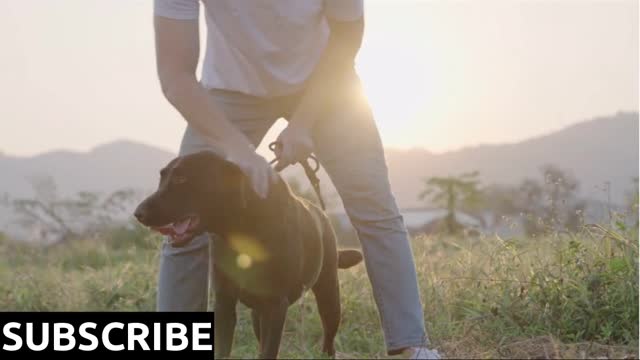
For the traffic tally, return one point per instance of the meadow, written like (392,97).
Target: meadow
(565,295)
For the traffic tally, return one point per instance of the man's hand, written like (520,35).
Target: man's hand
(293,144)
(256,168)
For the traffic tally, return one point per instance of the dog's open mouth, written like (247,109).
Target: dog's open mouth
(180,231)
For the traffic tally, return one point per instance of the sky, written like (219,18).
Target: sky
(439,75)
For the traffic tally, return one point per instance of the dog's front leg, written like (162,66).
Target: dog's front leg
(225,323)
(272,319)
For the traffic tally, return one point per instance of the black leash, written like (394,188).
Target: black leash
(308,170)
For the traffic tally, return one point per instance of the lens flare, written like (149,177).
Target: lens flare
(246,245)
(244,261)
(244,264)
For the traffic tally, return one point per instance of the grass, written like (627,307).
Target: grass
(562,296)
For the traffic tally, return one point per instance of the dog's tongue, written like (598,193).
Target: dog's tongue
(181,227)
(164,230)
(177,228)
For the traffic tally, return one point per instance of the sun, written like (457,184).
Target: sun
(400,85)
(402,82)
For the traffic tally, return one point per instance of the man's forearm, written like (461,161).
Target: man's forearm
(177,50)
(200,111)
(333,72)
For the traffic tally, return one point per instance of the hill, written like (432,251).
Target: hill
(599,150)
(596,151)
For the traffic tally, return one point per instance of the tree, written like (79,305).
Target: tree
(560,189)
(452,192)
(633,199)
(500,202)
(45,210)
(552,205)
(65,218)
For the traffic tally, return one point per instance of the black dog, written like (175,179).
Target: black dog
(266,252)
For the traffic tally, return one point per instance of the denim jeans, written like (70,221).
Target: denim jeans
(348,146)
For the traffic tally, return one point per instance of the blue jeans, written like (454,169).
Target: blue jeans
(348,145)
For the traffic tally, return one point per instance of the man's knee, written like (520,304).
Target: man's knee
(374,213)
(373,225)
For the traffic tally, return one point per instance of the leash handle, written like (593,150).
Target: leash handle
(314,180)
(308,170)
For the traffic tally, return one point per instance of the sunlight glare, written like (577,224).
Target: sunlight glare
(248,247)
(244,261)
(399,82)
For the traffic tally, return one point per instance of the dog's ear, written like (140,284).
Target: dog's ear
(234,180)
(224,175)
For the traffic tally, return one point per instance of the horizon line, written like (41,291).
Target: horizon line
(3,153)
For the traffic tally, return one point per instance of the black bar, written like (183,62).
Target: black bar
(89,331)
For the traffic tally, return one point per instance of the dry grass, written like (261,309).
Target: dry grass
(565,296)
(547,347)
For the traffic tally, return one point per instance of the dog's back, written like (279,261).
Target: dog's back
(331,257)
(313,228)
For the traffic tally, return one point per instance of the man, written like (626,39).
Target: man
(267,59)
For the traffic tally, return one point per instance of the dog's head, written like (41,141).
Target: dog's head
(193,190)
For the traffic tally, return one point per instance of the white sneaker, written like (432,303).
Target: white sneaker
(422,353)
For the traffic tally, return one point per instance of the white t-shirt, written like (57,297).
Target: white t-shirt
(261,47)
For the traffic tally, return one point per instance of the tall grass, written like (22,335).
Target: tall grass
(565,295)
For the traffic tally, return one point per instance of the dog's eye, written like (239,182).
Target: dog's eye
(179,180)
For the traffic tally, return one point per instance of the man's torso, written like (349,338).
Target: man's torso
(258,47)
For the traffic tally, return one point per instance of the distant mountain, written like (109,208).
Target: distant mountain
(596,151)
(117,165)
(600,150)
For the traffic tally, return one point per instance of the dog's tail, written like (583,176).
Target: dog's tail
(348,258)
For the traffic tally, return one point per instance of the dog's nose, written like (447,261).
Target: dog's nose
(140,214)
